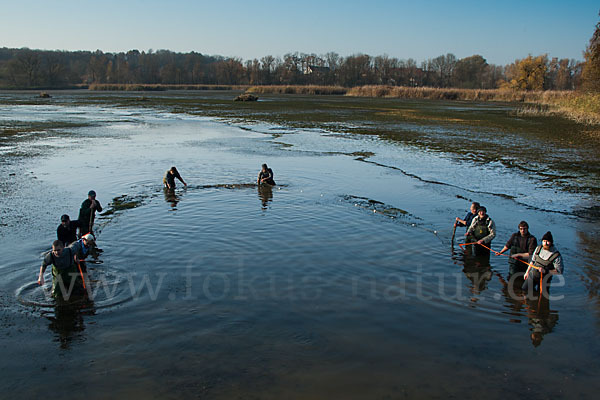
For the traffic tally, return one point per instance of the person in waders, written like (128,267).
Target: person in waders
(87,213)
(265,176)
(481,231)
(169,178)
(66,277)
(547,262)
(469,217)
(83,248)
(67,230)
(522,245)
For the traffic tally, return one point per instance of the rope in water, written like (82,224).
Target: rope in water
(518,259)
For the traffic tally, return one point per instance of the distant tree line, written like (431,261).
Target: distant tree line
(591,66)
(25,68)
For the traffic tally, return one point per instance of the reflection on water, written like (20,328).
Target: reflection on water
(589,247)
(68,321)
(479,271)
(265,194)
(171,197)
(541,319)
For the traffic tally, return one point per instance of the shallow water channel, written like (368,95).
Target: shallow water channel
(340,282)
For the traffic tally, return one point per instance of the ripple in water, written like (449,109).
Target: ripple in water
(104,290)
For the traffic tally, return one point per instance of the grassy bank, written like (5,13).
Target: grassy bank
(581,107)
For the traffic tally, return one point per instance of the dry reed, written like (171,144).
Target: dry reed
(298,89)
(503,95)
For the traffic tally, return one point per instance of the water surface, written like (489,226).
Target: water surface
(341,281)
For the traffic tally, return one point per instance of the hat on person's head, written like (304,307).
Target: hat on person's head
(88,237)
(548,236)
(64,217)
(482,208)
(92,193)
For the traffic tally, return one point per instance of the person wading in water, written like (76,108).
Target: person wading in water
(482,231)
(87,213)
(67,230)
(66,277)
(169,178)
(265,176)
(522,245)
(548,262)
(469,217)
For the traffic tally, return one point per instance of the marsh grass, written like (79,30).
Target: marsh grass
(583,108)
(405,92)
(577,106)
(580,107)
(298,89)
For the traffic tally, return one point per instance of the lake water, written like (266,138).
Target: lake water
(340,282)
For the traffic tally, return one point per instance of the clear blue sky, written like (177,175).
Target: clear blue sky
(500,31)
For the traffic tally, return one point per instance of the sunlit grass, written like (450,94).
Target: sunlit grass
(581,107)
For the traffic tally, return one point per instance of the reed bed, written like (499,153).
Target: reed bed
(580,107)
(298,89)
(405,92)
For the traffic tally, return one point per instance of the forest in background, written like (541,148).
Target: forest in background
(565,87)
(43,69)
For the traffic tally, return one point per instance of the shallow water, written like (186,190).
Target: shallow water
(342,281)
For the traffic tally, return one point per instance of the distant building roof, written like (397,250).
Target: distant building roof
(312,69)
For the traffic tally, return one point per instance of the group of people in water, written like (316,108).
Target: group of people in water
(76,240)
(537,263)
(265,176)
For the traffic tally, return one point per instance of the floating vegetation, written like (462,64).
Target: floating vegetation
(377,207)
(393,213)
(121,203)
(229,186)
(362,154)
(20,129)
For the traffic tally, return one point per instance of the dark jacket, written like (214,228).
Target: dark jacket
(85,215)
(68,234)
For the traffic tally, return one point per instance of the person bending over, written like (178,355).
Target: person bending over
(265,176)
(169,178)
